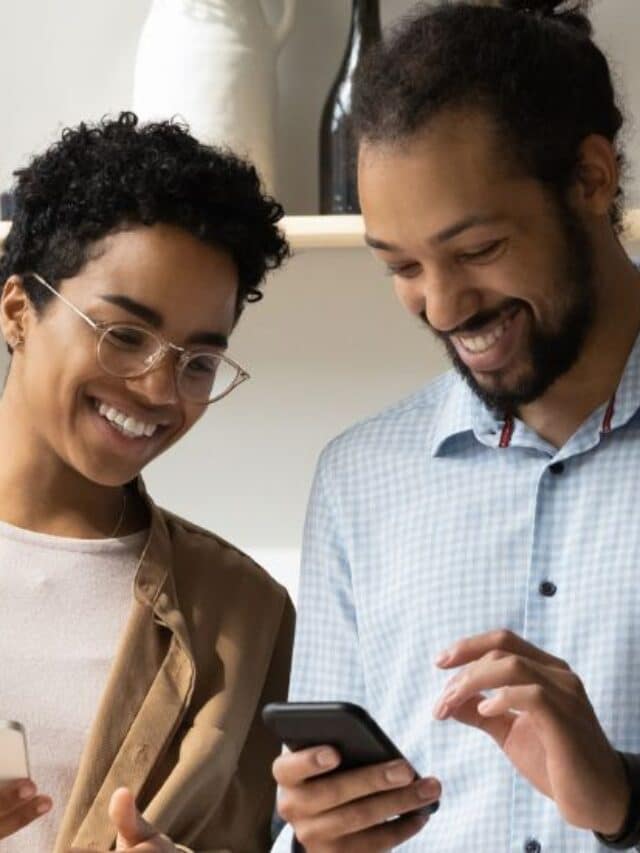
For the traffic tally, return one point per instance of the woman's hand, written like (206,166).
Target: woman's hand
(134,833)
(20,805)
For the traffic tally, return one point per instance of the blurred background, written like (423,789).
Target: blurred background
(328,345)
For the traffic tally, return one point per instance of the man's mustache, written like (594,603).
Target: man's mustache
(478,321)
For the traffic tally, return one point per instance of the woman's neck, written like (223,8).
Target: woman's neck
(40,492)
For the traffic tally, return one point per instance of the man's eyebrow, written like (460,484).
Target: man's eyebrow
(442,236)
(155,319)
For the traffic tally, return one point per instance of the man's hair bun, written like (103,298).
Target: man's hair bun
(573,13)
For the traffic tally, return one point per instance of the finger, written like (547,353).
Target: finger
(528,697)
(371,811)
(493,672)
(131,826)
(496,725)
(24,815)
(15,793)
(380,838)
(320,795)
(472,648)
(293,768)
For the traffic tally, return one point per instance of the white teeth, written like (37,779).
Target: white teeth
(482,343)
(125,424)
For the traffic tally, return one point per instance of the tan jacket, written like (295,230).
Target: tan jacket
(207,644)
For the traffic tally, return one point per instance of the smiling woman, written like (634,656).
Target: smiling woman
(131,256)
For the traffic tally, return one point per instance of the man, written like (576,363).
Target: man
(486,527)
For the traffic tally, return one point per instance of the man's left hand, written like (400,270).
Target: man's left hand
(541,717)
(134,833)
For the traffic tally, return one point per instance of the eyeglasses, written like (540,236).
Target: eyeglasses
(130,351)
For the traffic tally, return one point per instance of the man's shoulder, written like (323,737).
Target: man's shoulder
(408,422)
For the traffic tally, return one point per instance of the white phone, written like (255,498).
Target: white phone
(14,762)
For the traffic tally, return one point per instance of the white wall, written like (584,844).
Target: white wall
(329,344)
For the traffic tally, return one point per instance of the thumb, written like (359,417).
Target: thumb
(132,827)
(496,727)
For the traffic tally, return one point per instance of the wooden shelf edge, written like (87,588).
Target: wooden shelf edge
(347,232)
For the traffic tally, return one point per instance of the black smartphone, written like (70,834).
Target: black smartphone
(343,725)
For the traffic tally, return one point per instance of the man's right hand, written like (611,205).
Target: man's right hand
(20,805)
(367,809)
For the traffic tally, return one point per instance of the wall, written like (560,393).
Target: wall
(329,344)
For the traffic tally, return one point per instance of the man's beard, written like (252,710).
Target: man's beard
(552,350)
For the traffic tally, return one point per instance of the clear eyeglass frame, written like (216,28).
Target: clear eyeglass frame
(162,347)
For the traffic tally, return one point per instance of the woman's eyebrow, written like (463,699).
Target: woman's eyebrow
(155,319)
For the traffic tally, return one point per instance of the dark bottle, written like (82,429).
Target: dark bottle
(338,155)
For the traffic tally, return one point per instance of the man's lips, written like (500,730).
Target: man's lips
(492,346)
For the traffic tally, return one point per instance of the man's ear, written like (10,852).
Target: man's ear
(15,311)
(597,177)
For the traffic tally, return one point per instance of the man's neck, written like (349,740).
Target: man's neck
(594,378)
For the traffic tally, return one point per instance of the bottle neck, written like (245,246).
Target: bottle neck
(365,31)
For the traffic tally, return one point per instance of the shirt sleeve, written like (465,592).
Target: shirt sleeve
(629,838)
(326,662)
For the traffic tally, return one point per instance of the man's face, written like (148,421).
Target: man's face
(498,268)
(157,277)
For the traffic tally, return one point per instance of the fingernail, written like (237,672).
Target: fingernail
(427,789)
(43,807)
(398,773)
(443,658)
(441,710)
(326,758)
(25,792)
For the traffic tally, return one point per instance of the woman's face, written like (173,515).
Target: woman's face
(159,277)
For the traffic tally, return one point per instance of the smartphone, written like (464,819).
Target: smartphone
(14,761)
(344,725)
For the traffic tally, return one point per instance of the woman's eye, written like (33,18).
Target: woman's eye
(486,253)
(125,336)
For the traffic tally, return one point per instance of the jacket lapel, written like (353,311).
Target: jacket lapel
(148,690)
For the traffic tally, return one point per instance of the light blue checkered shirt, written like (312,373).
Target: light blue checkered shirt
(422,530)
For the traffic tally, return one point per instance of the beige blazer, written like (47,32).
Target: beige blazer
(207,644)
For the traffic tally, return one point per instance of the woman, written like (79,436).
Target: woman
(136,648)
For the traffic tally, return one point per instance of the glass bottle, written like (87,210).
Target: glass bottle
(338,188)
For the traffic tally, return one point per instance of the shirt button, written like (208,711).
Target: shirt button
(532,846)
(557,468)
(547,588)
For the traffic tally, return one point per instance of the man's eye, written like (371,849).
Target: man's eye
(486,253)
(404,271)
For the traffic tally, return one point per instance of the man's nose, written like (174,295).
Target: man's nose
(446,299)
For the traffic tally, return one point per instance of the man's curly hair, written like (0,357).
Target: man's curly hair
(102,177)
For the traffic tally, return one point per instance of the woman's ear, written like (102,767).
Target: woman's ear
(14,312)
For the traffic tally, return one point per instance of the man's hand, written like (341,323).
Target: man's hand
(20,805)
(541,717)
(134,833)
(353,810)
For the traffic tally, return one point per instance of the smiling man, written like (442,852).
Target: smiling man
(135,648)
(486,527)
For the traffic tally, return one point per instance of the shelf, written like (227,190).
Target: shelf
(305,232)
(347,232)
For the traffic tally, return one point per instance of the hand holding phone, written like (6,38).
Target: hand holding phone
(20,803)
(345,784)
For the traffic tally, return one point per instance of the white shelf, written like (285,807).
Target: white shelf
(347,232)
(305,232)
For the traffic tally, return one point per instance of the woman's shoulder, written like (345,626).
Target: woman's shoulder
(201,556)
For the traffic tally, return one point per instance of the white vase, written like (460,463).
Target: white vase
(213,63)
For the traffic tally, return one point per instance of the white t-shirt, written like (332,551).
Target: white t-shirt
(63,605)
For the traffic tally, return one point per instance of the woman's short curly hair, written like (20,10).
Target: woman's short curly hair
(98,178)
